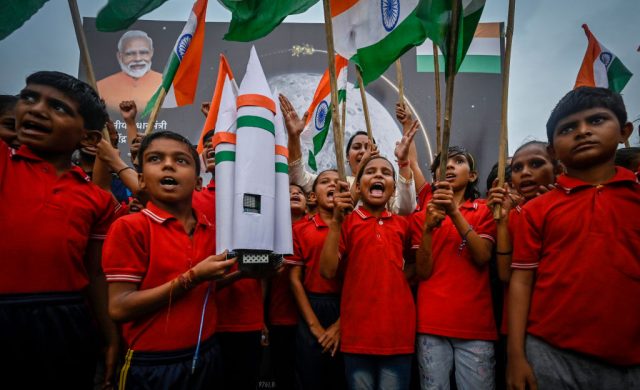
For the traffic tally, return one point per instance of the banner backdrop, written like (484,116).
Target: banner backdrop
(294,57)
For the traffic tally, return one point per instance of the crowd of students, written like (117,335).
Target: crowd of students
(391,284)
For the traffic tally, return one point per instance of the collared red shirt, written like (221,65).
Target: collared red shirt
(151,248)
(583,241)
(46,222)
(377,314)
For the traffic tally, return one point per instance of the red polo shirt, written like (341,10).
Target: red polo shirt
(205,201)
(308,240)
(46,222)
(282,305)
(456,300)
(150,248)
(583,242)
(515,215)
(377,314)
(240,306)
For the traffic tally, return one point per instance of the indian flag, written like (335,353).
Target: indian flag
(319,113)
(180,76)
(601,68)
(483,55)
(374,33)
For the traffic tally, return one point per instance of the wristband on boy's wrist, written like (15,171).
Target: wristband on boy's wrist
(123,169)
(464,236)
(188,280)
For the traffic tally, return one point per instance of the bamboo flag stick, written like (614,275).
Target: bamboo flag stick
(154,112)
(84,51)
(400,79)
(436,75)
(451,76)
(504,134)
(344,116)
(365,107)
(338,136)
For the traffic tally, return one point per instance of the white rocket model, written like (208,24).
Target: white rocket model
(253,202)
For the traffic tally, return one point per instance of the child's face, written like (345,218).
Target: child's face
(209,157)
(459,172)
(49,121)
(358,146)
(8,128)
(377,184)
(588,138)
(326,186)
(531,168)
(297,199)
(169,171)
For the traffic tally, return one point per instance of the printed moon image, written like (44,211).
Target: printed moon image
(299,89)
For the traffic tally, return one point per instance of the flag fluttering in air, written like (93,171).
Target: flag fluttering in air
(180,76)
(436,19)
(120,14)
(14,13)
(225,83)
(318,122)
(374,33)
(601,68)
(254,19)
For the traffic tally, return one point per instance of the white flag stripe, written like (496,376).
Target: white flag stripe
(479,46)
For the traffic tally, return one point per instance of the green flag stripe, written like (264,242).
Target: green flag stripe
(342,95)
(312,162)
(471,64)
(225,155)
(282,168)
(120,14)
(319,139)
(618,75)
(13,14)
(256,121)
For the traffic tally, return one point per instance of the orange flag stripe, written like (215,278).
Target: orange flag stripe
(223,137)
(283,151)
(586,77)
(224,70)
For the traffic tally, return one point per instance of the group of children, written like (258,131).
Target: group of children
(388,272)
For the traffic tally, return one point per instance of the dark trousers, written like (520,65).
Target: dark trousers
(241,353)
(282,342)
(173,370)
(47,341)
(315,369)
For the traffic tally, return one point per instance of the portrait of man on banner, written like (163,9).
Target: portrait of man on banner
(136,80)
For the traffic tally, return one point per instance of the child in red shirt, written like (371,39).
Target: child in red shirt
(573,318)
(377,313)
(318,299)
(454,237)
(53,221)
(160,266)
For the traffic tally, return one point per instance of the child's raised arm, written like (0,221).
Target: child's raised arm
(504,245)
(343,203)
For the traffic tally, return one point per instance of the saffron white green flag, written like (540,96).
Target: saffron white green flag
(318,122)
(374,33)
(180,76)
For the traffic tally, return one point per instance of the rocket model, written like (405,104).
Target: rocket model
(252,193)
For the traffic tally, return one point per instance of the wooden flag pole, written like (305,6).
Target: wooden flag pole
(451,76)
(154,112)
(365,107)
(338,137)
(400,79)
(344,116)
(504,134)
(436,75)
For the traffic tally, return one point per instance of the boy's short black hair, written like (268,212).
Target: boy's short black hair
(584,98)
(146,141)
(471,192)
(628,158)
(315,182)
(90,106)
(7,103)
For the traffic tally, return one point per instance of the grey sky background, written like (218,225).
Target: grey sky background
(548,48)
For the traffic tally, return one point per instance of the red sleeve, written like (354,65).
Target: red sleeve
(297,257)
(125,255)
(5,156)
(416,223)
(106,216)
(485,226)
(343,245)
(424,195)
(527,242)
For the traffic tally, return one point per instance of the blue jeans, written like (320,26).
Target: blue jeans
(369,372)
(474,363)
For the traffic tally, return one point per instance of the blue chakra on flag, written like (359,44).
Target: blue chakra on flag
(321,115)
(605,58)
(183,44)
(390,10)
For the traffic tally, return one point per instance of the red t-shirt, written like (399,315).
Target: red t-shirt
(150,248)
(46,223)
(205,201)
(514,217)
(240,306)
(377,313)
(424,195)
(456,300)
(308,240)
(583,241)
(282,305)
